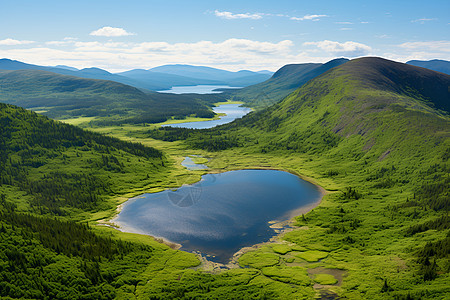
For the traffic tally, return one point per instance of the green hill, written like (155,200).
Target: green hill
(282,83)
(60,96)
(376,134)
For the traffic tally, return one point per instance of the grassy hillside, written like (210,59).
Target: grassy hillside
(282,83)
(60,97)
(376,134)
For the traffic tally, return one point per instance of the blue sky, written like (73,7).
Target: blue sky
(233,35)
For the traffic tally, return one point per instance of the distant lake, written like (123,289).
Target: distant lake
(232,111)
(198,89)
(222,213)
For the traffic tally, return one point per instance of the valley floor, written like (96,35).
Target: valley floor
(352,245)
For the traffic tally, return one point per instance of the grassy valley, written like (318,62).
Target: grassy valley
(372,132)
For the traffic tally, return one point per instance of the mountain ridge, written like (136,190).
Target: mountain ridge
(283,82)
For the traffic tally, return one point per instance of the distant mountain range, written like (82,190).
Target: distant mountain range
(160,78)
(240,79)
(442,66)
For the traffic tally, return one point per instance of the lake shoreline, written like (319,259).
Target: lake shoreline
(281,227)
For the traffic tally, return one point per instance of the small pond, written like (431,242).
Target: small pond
(189,164)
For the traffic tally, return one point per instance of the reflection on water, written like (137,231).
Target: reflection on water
(222,213)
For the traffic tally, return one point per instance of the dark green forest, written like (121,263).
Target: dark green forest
(29,142)
(49,258)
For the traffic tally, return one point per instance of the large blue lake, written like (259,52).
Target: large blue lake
(231,111)
(221,213)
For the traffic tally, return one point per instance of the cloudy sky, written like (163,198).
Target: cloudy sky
(234,35)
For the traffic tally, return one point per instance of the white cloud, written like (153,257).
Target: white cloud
(423,20)
(66,41)
(12,42)
(230,16)
(420,51)
(231,54)
(441,46)
(308,17)
(111,32)
(345,28)
(350,49)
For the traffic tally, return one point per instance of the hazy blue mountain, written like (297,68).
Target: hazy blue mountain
(194,71)
(240,78)
(163,79)
(12,65)
(442,66)
(265,72)
(66,67)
